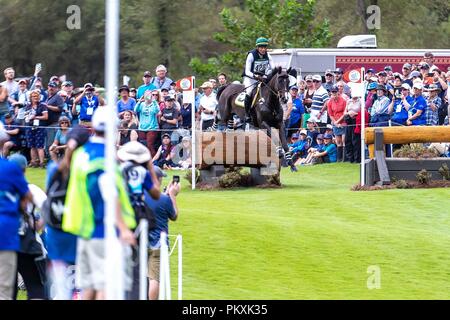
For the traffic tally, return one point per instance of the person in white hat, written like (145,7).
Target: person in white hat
(416,113)
(208,105)
(319,104)
(140,177)
(161,81)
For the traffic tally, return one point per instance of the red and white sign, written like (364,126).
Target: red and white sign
(355,76)
(186,84)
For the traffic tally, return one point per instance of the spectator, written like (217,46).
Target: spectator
(319,104)
(85,202)
(223,80)
(398,108)
(89,103)
(14,135)
(352,144)
(55,108)
(14,193)
(208,106)
(59,145)
(382,80)
(416,113)
(425,73)
(428,57)
(336,108)
(147,86)
(67,94)
(148,124)
(164,208)
(295,111)
(4,104)
(127,133)
(299,146)
(38,86)
(338,73)
(20,100)
(341,86)
(36,118)
(10,84)
(310,159)
(169,115)
(56,80)
(133,93)
(186,116)
(329,80)
(139,176)
(163,157)
(161,81)
(434,103)
(379,114)
(125,103)
(406,72)
(371,95)
(31,258)
(357,134)
(313,131)
(329,153)
(309,93)
(182,153)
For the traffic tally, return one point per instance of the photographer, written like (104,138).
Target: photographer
(20,100)
(89,102)
(164,209)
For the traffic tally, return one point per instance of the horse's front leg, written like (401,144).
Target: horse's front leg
(284,145)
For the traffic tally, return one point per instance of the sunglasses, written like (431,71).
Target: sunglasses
(64,122)
(316,81)
(309,81)
(155,94)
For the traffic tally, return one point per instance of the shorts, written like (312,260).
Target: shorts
(338,131)
(8,269)
(90,264)
(154,260)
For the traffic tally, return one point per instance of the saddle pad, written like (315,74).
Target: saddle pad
(240,100)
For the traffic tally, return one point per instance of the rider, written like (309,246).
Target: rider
(257,66)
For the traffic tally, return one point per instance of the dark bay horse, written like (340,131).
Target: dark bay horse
(266,113)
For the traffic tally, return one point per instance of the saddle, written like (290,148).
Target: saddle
(240,99)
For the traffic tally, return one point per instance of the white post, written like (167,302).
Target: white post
(391,146)
(162,267)
(193,135)
(363,134)
(180,267)
(113,285)
(143,259)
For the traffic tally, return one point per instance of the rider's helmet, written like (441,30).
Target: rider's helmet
(262,42)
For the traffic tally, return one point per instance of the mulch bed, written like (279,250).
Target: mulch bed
(404,184)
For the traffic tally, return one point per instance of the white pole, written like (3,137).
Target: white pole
(180,267)
(363,134)
(113,285)
(391,146)
(193,135)
(167,270)
(143,259)
(162,268)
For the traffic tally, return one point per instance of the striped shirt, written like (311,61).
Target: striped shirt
(431,116)
(320,98)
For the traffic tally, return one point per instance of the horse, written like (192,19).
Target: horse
(266,113)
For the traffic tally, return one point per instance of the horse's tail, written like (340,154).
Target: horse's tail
(220,90)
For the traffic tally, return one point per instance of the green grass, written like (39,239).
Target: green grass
(312,239)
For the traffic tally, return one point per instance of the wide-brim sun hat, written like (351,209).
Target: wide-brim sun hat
(134,151)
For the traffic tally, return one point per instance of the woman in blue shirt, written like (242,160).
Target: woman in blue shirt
(147,112)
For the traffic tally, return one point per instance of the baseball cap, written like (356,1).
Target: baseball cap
(308,77)
(147,74)
(86,85)
(327,136)
(67,84)
(329,72)
(371,70)
(319,136)
(294,88)
(304,132)
(126,88)
(334,89)
(18,159)
(407,66)
(372,86)
(406,86)
(339,70)
(415,73)
(165,135)
(159,172)
(23,81)
(397,75)
(424,65)
(388,68)
(382,73)
(52,84)
(295,136)
(329,127)
(170,98)
(418,85)
(164,89)
(317,77)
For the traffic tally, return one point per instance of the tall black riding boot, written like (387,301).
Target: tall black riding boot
(340,154)
(248,104)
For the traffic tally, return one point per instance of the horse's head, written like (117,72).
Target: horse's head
(281,83)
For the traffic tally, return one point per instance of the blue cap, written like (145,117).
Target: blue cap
(295,136)
(372,86)
(371,70)
(334,89)
(294,88)
(327,136)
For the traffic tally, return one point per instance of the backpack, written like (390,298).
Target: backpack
(53,207)
(140,207)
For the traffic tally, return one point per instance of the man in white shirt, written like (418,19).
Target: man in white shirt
(208,106)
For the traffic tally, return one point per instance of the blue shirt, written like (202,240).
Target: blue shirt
(162,84)
(297,111)
(88,107)
(122,106)
(13,187)
(61,138)
(400,114)
(331,151)
(163,210)
(419,103)
(141,90)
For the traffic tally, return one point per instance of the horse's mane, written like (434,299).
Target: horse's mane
(275,71)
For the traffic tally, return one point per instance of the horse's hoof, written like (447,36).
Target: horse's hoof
(294,169)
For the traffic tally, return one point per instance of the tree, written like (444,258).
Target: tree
(287,24)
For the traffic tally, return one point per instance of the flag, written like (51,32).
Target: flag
(186,84)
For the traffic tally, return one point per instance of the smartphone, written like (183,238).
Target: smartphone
(176,179)
(431,74)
